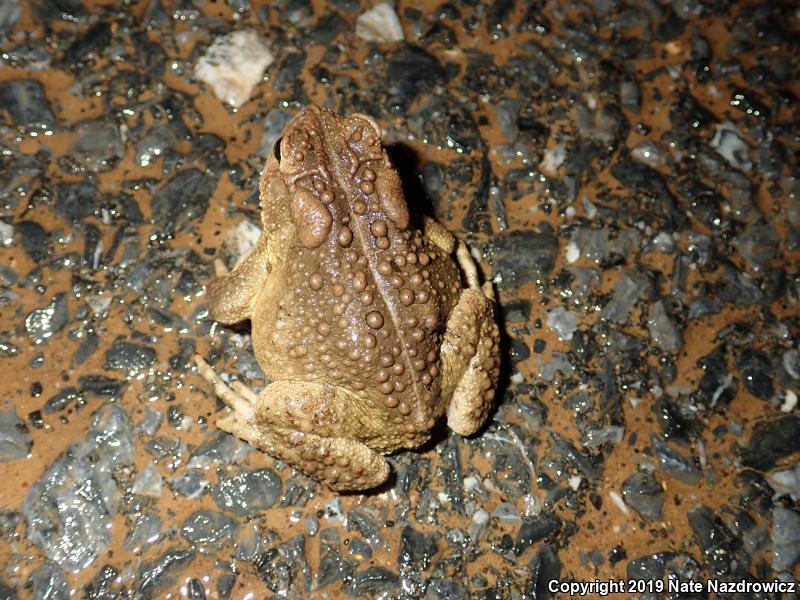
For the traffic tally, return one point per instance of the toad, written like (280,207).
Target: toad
(370,323)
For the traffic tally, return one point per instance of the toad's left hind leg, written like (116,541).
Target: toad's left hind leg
(470,352)
(298,423)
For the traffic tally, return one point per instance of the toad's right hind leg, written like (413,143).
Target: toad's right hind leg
(296,422)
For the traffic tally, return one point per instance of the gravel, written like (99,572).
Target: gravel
(629,191)
(70,507)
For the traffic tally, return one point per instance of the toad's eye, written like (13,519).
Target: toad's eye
(276,149)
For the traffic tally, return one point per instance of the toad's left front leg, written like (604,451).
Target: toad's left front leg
(470,353)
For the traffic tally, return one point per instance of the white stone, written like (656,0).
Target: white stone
(479,521)
(728,143)
(648,154)
(553,159)
(589,209)
(481,517)
(616,499)
(233,65)
(333,510)
(471,483)
(6,234)
(531,505)
(664,242)
(379,24)
(244,238)
(98,304)
(789,401)
(148,483)
(563,322)
(573,252)
(787,481)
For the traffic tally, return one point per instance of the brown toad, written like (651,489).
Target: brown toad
(359,318)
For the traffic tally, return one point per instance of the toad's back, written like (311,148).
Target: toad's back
(363,298)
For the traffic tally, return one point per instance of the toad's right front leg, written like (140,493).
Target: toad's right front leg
(232,296)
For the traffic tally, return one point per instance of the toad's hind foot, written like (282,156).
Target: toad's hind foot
(241,401)
(244,391)
(220,270)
